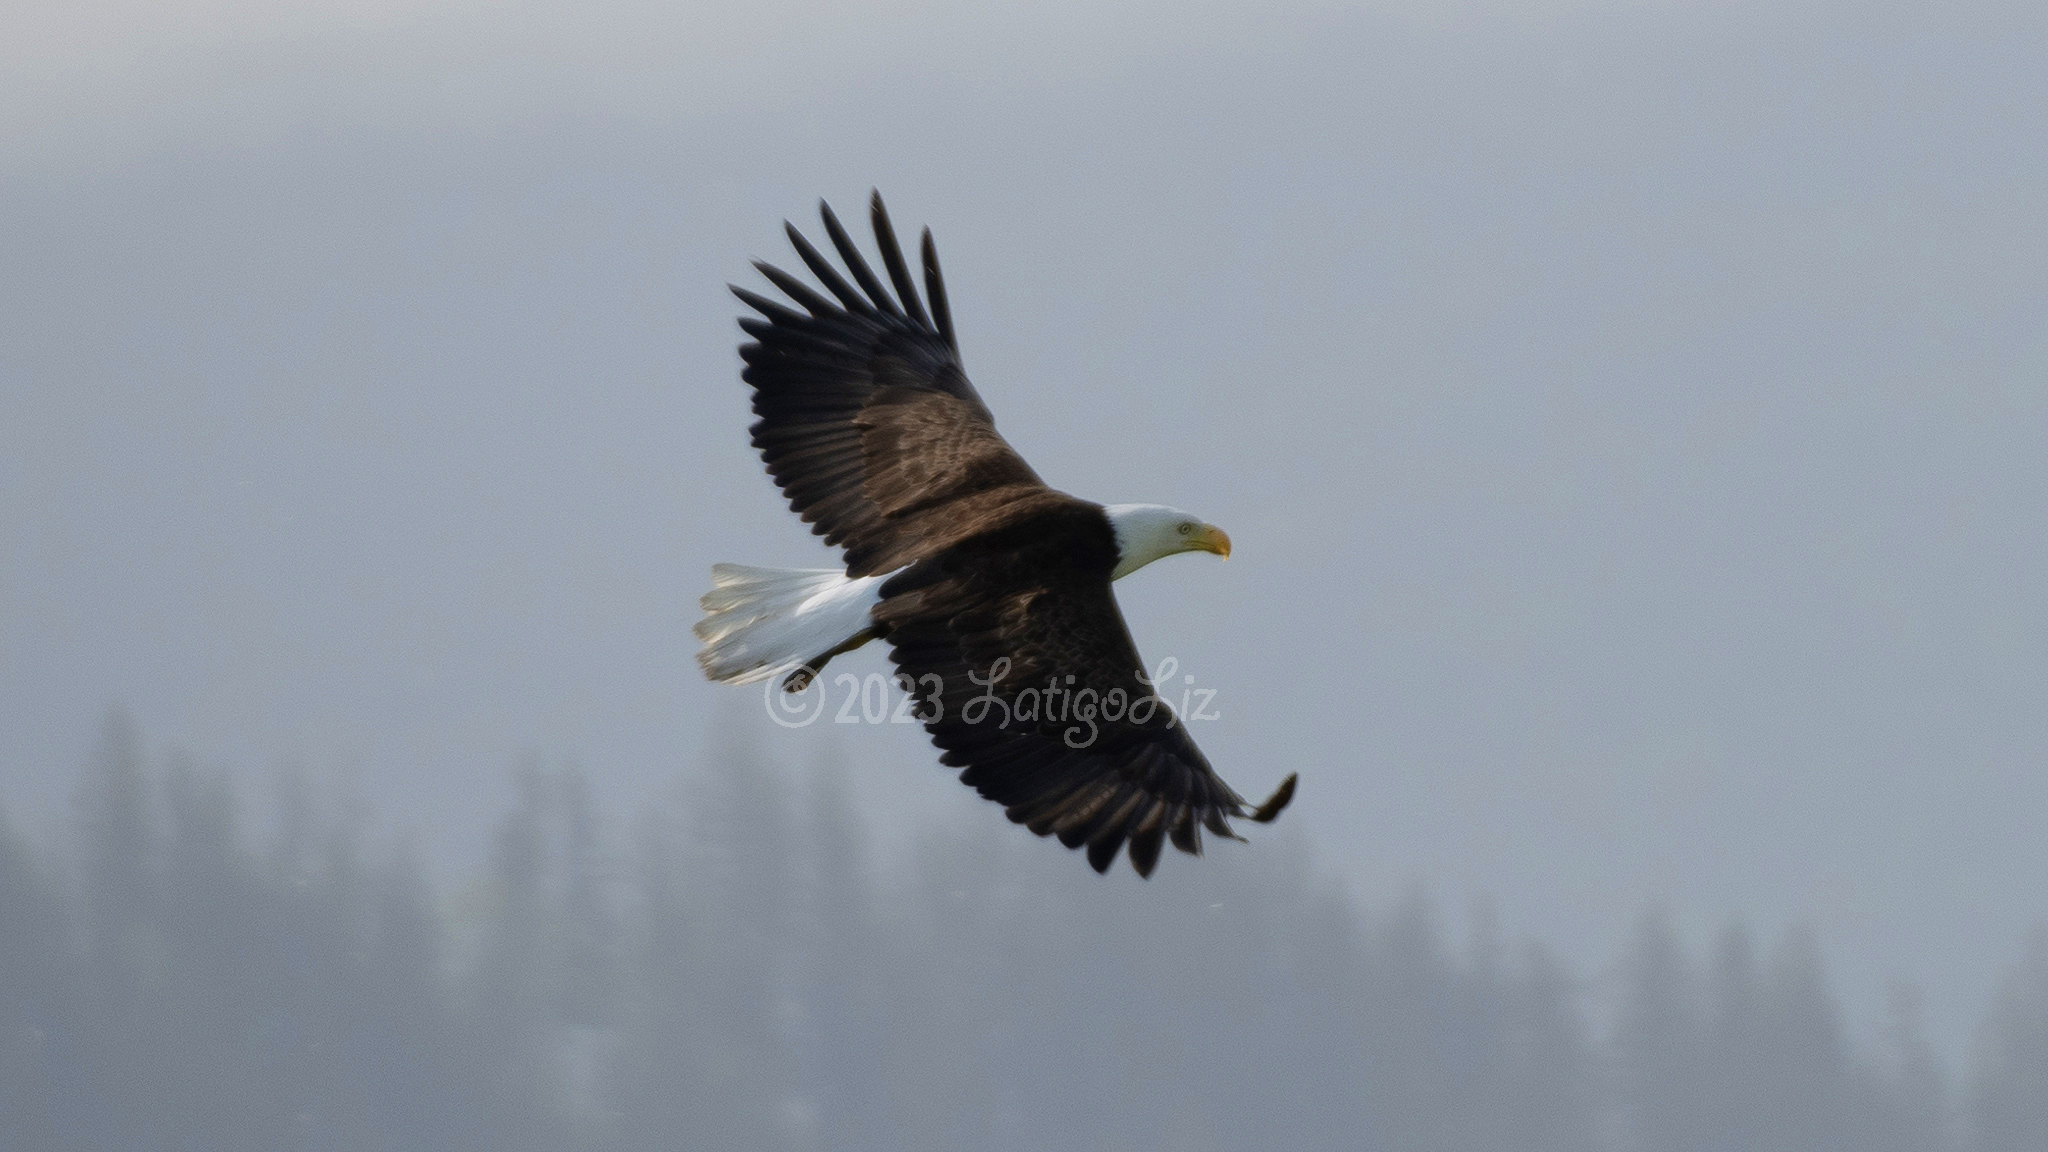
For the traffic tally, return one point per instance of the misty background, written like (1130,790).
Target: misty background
(1629,418)
(744,971)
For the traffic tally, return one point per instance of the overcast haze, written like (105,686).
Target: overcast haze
(1629,418)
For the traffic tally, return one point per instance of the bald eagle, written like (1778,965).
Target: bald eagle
(991,589)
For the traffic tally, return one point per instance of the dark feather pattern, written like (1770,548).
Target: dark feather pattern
(986,627)
(1000,592)
(826,274)
(856,263)
(867,423)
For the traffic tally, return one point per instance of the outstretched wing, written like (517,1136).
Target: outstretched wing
(1028,680)
(867,422)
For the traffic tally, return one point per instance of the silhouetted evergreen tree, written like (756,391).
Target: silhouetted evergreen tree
(708,1049)
(407,1060)
(123,1047)
(587,993)
(40,1064)
(589,961)
(218,1060)
(1658,1046)
(838,979)
(513,1010)
(1910,1106)
(2009,1093)
(1809,1102)
(1551,1099)
(1427,1036)
(1737,1077)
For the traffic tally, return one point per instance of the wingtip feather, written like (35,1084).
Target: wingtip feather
(1102,853)
(935,291)
(1276,803)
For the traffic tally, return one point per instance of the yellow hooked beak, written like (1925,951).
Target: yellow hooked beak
(1211,539)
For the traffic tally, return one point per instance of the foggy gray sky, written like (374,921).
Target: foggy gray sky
(1629,417)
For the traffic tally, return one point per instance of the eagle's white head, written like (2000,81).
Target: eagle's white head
(1146,532)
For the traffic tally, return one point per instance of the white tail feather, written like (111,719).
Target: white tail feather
(759,622)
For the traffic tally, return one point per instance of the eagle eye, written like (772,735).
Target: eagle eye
(1185,528)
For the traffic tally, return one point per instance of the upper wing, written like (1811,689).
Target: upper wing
(867,422)
(1027,678)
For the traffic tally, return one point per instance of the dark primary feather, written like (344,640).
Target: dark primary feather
(872,431)
(935,287)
